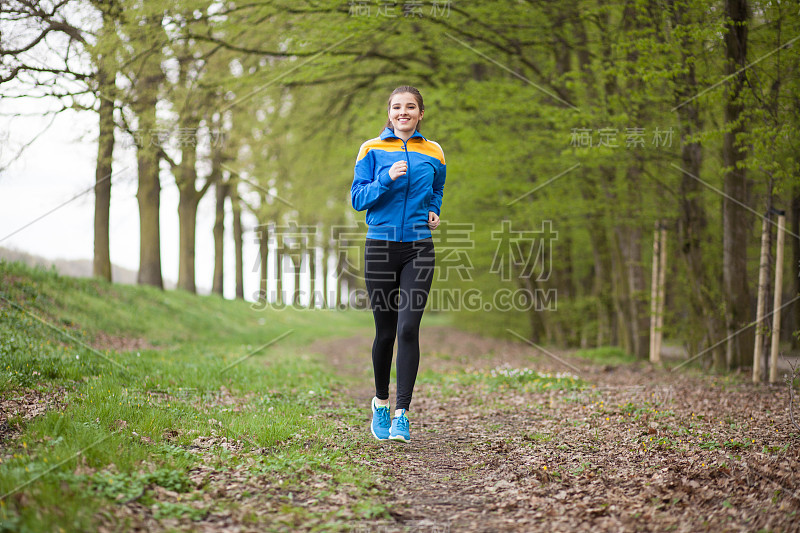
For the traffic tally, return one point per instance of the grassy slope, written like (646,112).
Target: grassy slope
(177,378)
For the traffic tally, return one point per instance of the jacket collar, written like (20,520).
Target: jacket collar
(388,133)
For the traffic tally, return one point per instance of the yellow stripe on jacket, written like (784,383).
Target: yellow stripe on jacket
(421,146)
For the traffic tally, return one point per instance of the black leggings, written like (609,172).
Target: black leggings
(398,277)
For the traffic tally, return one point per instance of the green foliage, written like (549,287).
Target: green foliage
(121,487)
(606,355)
(583,115)
(502,378)
(118,434)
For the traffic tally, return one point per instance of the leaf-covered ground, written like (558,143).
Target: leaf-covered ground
(632,448)
(619,448)
(504,439)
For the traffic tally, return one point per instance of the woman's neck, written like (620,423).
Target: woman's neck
(404,135)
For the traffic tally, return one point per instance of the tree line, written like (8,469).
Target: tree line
(603,120)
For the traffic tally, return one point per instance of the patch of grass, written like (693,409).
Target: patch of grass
(710,445)
(538,437)
(177,510)
(501,378)
(201,374)
(581,468)
(609,355)
(121,487)
(735,444)
(775,449)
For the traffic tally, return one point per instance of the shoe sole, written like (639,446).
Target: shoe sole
(399,438)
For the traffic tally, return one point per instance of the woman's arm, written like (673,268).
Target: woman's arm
(438,189)
(367,188)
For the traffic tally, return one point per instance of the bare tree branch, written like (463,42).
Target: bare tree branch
(4,165)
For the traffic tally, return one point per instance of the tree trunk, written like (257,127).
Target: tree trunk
(297,260)
(186,178)
(535,319)
(263,251)
(619,289)
(606,330)
(615,268)
(567,289)
(794,272)
(148,79)
(236,207)
(768,307)
(351,281)
(637,292)
(327,287)
(692,226)
(600,288)
(312,272)
(692,221)
(631,273)
(148,197)
(219,239)
(187,221)
(102,190)
(340,256)
(735,220)
(278,275)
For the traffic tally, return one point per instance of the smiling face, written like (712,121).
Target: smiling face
(404,113)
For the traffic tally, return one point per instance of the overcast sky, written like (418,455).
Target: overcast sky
(60,164)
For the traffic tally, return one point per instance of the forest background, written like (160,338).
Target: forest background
(571,131)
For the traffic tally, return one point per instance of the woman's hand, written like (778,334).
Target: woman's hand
(433,220)
(398,169)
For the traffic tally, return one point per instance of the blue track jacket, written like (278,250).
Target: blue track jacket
(398,210)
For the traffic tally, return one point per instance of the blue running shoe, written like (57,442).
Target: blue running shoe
(380,421)
(399,430)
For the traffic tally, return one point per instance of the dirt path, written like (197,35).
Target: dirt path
(637,450)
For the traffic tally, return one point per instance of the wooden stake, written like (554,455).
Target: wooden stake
(762,295)
(654,358)
(776,318)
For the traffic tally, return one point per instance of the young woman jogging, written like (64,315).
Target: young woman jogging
(399,180)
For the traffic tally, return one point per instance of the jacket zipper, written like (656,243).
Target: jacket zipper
(408,185)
